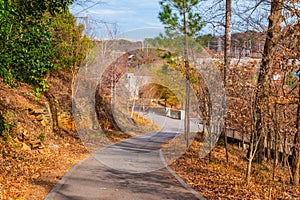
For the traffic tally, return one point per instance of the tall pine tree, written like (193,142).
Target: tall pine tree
(179,17)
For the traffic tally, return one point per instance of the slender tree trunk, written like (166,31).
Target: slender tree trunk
(251,153)
(187,87)
(248,173)
(250,157)
(284,153)
(273,34)
(268,139)
(269,145)
(227,36)
(227,61)
(276,151)
(277,134)
(275,155)
(53,104)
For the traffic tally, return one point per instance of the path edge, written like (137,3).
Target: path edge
(62,181)
(181,181)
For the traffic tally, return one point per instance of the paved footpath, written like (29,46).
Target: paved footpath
(130,170)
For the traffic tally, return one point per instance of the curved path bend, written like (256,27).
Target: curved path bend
(133,169)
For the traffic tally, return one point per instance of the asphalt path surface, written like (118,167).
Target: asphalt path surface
(133,169)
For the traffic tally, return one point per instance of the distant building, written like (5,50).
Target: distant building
(133,84)
(243,45)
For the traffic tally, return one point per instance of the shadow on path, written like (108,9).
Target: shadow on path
(93,180)
(131,169)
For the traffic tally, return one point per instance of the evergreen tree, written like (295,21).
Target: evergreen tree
(179,17)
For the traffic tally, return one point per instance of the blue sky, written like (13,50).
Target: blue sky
(128,14)
(138,18)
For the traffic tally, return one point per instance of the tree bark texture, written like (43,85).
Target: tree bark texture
(273,36)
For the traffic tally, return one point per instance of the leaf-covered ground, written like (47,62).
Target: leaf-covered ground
(31,174)
(217,179)
(32,157)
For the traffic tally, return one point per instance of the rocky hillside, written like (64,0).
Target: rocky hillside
(34,154)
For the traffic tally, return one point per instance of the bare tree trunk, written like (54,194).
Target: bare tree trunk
(248,173)
(275,155)
(250,156)
(273,34)
(53,104)
(227,36)
(227,60)
(253,147)
(284,153)
(277,134)
(269,145)
(187,87)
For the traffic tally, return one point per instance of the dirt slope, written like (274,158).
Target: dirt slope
(32,157)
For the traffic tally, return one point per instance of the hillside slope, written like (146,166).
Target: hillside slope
(34,157)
